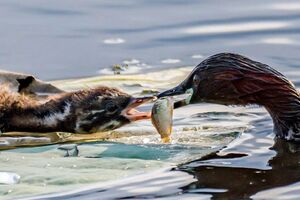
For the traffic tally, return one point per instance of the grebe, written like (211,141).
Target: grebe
(83,111)
(232,79)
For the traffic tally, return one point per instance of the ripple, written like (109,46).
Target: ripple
(286,6)
(114,41)
(278,40)
(139,186)
(170,61)
(197,56)
(235,27)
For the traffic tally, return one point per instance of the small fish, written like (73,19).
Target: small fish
(162,117)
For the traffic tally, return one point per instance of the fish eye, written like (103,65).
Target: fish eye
(111,107)
(196,80)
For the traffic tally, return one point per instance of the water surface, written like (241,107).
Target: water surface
(62,39)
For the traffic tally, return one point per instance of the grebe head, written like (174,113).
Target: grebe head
(232,79)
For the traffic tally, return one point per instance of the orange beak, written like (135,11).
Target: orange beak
(132,114)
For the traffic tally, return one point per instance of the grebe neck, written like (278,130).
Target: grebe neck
(284,108)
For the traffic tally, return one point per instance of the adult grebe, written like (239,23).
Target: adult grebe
(84,111)
(232,79)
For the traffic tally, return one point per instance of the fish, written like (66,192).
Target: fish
(162,117)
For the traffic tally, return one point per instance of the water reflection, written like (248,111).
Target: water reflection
(210,181)
(242,183)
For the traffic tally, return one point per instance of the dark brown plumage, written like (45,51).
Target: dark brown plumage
(232,79)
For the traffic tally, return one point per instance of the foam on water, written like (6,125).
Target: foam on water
(8,178)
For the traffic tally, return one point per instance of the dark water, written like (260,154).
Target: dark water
(58,39)
(242,182)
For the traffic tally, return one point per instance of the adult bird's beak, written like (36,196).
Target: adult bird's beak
(133,114)
(179,90)
(174,91)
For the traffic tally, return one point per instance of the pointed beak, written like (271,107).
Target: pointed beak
(174,91)
(133,114)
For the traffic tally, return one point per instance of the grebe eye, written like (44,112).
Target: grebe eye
(111,107)
(196,80)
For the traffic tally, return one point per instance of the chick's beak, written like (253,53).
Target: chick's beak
(133,114)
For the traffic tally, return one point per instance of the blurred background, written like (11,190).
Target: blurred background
(67,39)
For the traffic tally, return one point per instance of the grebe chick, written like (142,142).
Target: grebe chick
(83,111)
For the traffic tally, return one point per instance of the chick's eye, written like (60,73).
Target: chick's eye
(196,80)
(111,107)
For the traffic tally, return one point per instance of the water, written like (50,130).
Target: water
(58,39)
